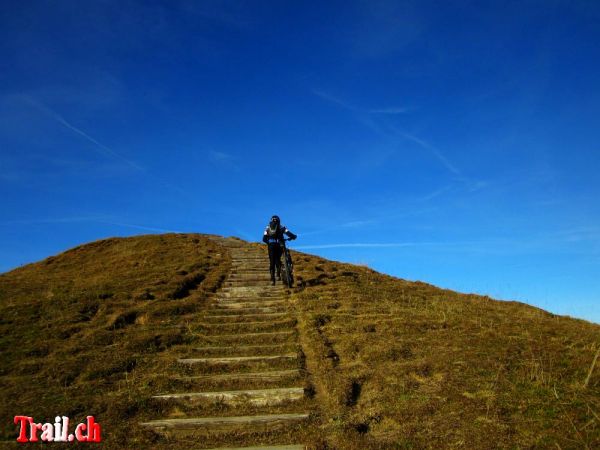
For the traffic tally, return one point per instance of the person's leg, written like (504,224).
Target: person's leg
(272,260)
(278,254)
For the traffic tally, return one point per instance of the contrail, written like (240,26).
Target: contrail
(391,110)
(364,245)
(360,116)
(99,147)
(103,148)
(140,227)
(432,149)
(72,219)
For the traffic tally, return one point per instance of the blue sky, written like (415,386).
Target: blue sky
(456,143)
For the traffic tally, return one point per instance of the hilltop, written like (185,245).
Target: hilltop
(387,363)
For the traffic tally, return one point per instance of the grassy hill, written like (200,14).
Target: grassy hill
(83,332)
(408,365)
(393,363)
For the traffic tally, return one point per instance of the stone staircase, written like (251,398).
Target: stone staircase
(246,368)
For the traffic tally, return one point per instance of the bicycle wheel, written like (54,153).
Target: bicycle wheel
(287,276)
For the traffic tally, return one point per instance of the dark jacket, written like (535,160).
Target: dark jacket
(270,237)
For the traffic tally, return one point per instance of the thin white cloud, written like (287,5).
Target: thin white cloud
(224,160)
(139,227)
(77,219)
(67,219)
(357,223)
(346,105)
(360,116)
(332,99)
(577,234)
(220,156)
(393,110)
(365,245)
(99,147)
(351,224)
(580,241)
(435,193)
(436,152)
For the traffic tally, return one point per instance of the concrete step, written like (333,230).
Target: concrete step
(241,310)
(235,281)
(268,447)
(248,283)
(268,334)
(249,276)
(254,298)
(250,304)
(255,326)
(272,295)
(221,318)
(237,359)
(248,269)
(223,423)
(238,256)
(255,397)
(271,337)
(244,289)
(252,291)
(244,350)
(226,300)
(270,375)
(251,298)
(258,298)
(262,263)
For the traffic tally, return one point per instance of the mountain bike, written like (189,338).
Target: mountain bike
(287,267)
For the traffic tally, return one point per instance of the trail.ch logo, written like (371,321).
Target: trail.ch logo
(58,431)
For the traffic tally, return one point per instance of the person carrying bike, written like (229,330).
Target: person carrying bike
(273,237)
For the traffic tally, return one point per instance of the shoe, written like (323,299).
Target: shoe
(272,282)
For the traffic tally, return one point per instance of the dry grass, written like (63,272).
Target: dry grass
(401,364)
(90,331)
(394,364)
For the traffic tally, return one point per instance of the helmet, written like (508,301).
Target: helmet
(275,219)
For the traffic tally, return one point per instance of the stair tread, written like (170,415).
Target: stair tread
(262,447)
(236,358)
(261,322)
(247,315)
(266,333)
(227,420)
(244,392)
(240,347)
(232,376)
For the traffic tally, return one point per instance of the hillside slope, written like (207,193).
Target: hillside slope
(408,365)
(81,332)
(393,363)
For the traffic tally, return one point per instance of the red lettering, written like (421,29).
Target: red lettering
(33,430)
(93,430)
(79,429)
(23,420)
